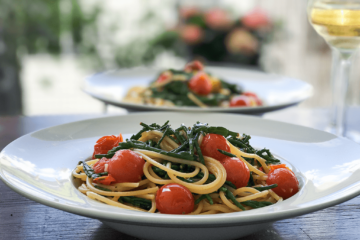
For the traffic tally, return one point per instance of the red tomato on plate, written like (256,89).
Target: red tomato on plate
(240,101)
(194,66)
(200,84)
(174,198)
(273,167)
(126,166)
(99,166)
(106,143)
(164,77)
(106,180)
(254,97)
(288,185)
(237,171)
(210,145)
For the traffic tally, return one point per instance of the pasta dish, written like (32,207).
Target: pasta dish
(191,87)
(188,170)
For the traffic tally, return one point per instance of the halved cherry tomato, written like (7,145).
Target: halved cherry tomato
(126,166)
(194,66)
(164,76)
(174,198)
(237,171)
(240,101)
(273,167)
(106,143)
(253,96)
(210,145)
(286,180)
(99,166)
(106,180)
(200,84)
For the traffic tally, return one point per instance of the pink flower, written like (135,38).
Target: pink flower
(241,41)
(191,34)
(217,19)
(256,19)
(187,12)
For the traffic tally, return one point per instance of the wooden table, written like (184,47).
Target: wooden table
(21,218)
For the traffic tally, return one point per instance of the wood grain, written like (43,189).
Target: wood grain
(21,218)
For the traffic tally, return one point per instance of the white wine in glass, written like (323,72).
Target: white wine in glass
(338,22)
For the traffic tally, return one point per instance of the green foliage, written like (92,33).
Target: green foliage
(57,26)
(165,41)
(40,26)
(197,20)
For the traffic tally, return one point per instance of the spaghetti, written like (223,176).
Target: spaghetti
(212,168)
(191,87)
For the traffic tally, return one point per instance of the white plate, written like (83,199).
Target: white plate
(39,165)
(276,91)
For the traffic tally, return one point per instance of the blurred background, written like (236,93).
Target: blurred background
(47,48)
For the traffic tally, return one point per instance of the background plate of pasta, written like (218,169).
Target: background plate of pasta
(203,176)
(195,87)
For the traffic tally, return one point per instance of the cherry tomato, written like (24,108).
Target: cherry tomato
(210,145)
(194,66)
(240,101)
(273,167)
(99,166)
(200,84)
(164,77)
(253,96)
(237,171)
(106,143)
(174,198)
(106,180)
(286,180)
(126,166)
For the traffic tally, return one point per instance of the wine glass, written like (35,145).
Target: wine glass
(338,22)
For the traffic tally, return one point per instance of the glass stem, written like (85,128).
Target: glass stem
(340,81)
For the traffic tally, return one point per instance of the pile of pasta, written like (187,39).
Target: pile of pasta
(191,86)
(175,156)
